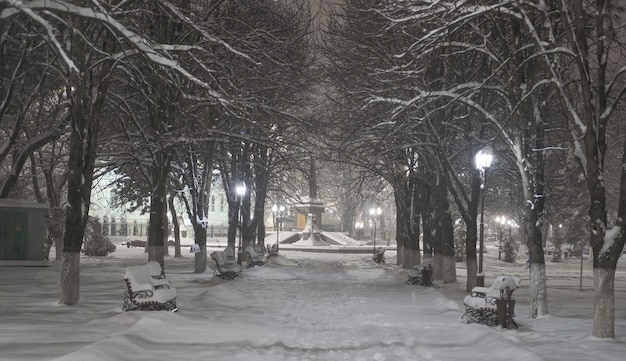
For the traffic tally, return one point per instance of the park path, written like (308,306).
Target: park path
(300,306)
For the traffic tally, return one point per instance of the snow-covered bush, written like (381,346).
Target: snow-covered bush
(510,250)
(95,244)
(558,252)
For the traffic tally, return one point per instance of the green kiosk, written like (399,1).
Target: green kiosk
(22,233)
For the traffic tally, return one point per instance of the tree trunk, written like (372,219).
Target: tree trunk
(81,163)
(157,227)
(85,127)
(69,290)
(200,258)
(233,222)
(409,255)
(261,181)
(175,225)
(604,302)
(538,290)
(470,255)
(430,246)
(432,230)
(447,243)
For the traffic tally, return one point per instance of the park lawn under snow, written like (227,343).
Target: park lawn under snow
(299,306)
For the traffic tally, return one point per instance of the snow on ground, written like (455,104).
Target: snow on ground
(300,306)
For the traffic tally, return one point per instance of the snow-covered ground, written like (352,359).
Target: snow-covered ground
(300,306)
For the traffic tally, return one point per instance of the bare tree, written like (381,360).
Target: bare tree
(102,42)
(590,92)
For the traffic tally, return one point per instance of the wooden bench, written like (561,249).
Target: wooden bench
(255,256)
(226,263)
(148,289)
(421,275)
(492,306)
(135,243)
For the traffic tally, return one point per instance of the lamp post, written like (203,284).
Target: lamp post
(501,221)
(483,161)
(375,213)
(278,215)
(241,191)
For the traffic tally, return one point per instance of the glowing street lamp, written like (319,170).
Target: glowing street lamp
(241,191)
(483,160)
(278,216)
(375,213)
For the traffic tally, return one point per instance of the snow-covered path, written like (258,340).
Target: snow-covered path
(302,306)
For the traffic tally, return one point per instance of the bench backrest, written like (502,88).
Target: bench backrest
(229,252)
(155,270)
(508,282)
(219,257)
(139,278)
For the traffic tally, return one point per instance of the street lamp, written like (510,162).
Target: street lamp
(278,215)
(501,221)
(483,161)
(241,191)
(375,213)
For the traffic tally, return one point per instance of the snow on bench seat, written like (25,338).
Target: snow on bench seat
(481,306)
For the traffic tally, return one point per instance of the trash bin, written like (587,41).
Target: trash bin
(505,310)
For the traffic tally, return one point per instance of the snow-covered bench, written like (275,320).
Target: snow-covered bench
(379,255)
(148,289)
(226,263)
(421,275)
(256,257)
(492,306)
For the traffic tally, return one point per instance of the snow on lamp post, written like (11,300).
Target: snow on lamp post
(375,213)
(483,159)
(241,191)
(278,215)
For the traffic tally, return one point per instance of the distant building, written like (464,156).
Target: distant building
(118,221)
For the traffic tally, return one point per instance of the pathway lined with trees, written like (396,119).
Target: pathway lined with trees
(394,97)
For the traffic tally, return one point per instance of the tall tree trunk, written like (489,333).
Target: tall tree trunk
(432,231)
(86,113)
(55,216)
(157,227)
(604,302)
(429,229)
(408,227)
(200,258)
(81,164)
(471,219)
(445,232)
(261,183)
(175,224)
(531,164)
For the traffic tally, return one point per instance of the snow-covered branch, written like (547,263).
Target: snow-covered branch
(142,45)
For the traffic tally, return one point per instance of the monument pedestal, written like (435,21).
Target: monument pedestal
(310,235)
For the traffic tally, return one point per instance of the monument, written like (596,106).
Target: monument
(309,214)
